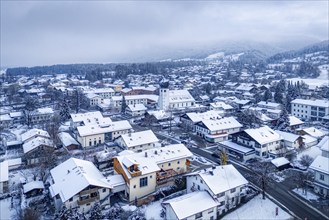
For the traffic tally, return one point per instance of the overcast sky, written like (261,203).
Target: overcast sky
(53,32)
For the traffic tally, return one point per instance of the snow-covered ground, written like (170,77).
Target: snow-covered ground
(323,79)
(6,211)
(312,152)
(257,208)
(309,195)
(153,210)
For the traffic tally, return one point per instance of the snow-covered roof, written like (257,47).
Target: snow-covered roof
(44,111)
(139,138)
(137,107)
(222,105)
(34,132)
(99,90)
(318,102)
(236,146)
(36,142)
(321,164)
(198,116)
(280,161)
(16,114)
(159,114)
(80,172)
(115,180)
(288,136)
(92,96)
(5,117)
(263,135)
(295,121)
(191,204)
(33,185)
(149,160)
(4,171)
(129,97)
(314,132)
(180,96)
(221,124)
(93,129)
(67,139)
(269,104)
(324,143)
(222,178)
(91,118)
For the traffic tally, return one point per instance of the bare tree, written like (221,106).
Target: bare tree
(306,160)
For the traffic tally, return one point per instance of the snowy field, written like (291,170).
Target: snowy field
(308,196)
(323,79)
(257,208)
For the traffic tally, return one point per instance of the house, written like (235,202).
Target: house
(290,141)
(136,110)
(312,131)
(223,183)
(221,106)
(116,101)
(95,134)
(5,120)
(140,90)
(40,115)
(144,171)
(90,186)
(18,117)
(189,120)
(93,99)
(320,166)
(89,118)
(4,186)
(237,151)
(195,205)
(216,130)
(138,141)
(68,141)
(307,109)
(263,140)
(37,150)
(103,93)
(34,133)
(294,122)
(269,105)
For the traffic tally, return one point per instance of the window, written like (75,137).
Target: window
(198,187)
(221,194)
(198,215)
(151,177)
(178,162)
(210,211)
(71,199)
(134,186)
(321,177)
(201,181)
(104,190)
(143,182)
(169,164)
(232,190)
(222,203)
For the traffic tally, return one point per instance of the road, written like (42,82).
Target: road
(277,191)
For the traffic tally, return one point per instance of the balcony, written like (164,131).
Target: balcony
(89,200)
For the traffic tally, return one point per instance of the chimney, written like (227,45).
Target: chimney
(145,154)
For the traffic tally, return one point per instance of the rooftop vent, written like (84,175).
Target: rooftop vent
(145,154)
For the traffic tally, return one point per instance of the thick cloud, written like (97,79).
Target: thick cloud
(50,32)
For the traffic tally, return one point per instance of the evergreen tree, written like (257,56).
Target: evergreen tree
(123,104)
(64,110)
(267,95)
(283,122)
(96,212)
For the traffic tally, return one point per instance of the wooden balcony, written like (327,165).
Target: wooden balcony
(88,191)
(89,200)
(165,174)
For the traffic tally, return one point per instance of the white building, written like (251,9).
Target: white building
(321,168)
(145,170)
(104,93)
(116,101)
(221,106)
(310,109)
(136,110)
(290,140)
(224,184)
(79,184)
(216,130)
(40,115)
(175,99)
(138,141)
(195,205)
(189,120)
(94,99)
(4,177)
(263,140)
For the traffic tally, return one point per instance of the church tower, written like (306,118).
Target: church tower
(163,102)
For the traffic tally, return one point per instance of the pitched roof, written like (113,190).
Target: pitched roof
(36,142)
(80,172)
(191,204)
(139,138)
(221,124)
(93,129)
(222,178)
(34,132)
(263,135)
(180,96)
(318,102)
(320,164)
